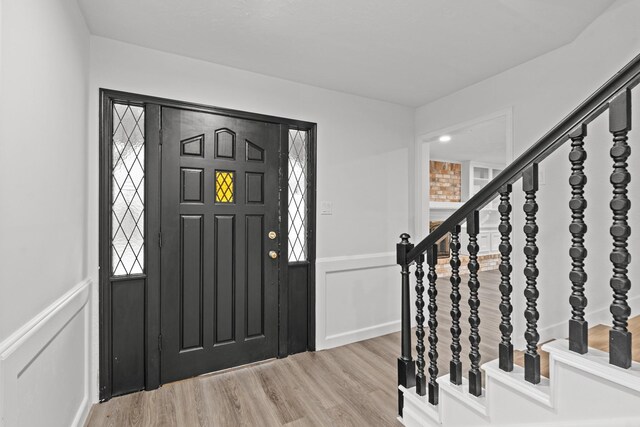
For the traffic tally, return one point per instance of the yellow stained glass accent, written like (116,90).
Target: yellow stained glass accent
(224,187)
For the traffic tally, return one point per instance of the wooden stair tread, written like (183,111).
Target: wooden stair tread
(518,359)
(598,339)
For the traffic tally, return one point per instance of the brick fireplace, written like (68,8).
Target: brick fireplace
(445,181)
(445,186)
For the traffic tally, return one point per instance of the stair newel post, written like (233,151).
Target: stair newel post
(432,261)
(475,376)
(406,365)
(578,326)
(505,348)
(455,366)
(421,382)
(619,126)
(531,357)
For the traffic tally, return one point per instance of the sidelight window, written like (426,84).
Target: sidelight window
(127,195)
(297,207)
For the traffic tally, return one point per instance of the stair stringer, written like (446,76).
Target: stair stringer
(583,390)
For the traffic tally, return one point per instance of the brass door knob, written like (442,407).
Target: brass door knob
(273,254)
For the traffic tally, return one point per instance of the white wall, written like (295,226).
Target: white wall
(541,92)
(44,66)
(362,156)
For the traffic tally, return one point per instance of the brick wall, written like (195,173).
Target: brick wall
(445,181)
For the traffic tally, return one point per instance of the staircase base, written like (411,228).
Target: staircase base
(583,390)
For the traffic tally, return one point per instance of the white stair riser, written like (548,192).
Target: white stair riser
(583,389)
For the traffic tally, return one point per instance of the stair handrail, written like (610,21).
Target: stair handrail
(627,78)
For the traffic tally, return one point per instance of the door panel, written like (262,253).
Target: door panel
(191,229)
(220,200)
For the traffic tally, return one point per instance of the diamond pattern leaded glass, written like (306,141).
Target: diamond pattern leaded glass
(224,187)
(127,195)
(297,195)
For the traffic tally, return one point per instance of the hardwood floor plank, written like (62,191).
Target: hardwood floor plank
(599,337)
(283,398)
(353,385)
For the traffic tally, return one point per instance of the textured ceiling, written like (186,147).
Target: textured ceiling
(405,51)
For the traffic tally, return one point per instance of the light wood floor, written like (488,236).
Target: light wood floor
(353,385)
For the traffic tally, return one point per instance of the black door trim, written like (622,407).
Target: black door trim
(152,344)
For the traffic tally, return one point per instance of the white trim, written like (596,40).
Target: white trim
(356,262)
(325,266)
(461,393)
(420,405)
(365,333)
(22,347)
(1,60)
(446,205)
(541,392)
(594,362)
(423,189)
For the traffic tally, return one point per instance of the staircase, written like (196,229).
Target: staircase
(590,378)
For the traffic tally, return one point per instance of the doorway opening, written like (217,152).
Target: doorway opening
(456,163)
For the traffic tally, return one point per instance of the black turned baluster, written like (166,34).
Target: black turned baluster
(475,377)
(421,382)
(619,126)
(505,348)
(531,356)
(432,260)
(406,365)
(455,366)
(578,326)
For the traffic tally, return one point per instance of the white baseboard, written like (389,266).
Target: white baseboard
(361,286)
(39,373)
(361,334)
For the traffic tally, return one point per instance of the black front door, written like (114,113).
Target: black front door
(220,242)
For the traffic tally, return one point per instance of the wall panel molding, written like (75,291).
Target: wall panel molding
(354,292)
(48,344)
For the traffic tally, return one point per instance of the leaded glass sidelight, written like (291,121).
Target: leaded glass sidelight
(298,195)
(127,194)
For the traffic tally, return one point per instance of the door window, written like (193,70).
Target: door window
(298,142)
(127,196)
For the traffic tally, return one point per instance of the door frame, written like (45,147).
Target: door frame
(151,275)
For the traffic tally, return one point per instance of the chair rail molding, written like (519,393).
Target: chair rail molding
(27,356)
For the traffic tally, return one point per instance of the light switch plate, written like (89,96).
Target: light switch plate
(326,208)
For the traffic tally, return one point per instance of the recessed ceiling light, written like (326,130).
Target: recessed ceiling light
(445,138)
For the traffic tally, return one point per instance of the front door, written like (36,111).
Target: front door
(220,242)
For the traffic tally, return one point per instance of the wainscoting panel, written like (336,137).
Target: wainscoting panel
(357,298)
(44,366)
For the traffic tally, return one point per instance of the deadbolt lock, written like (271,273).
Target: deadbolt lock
(272,235)
(273,254)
